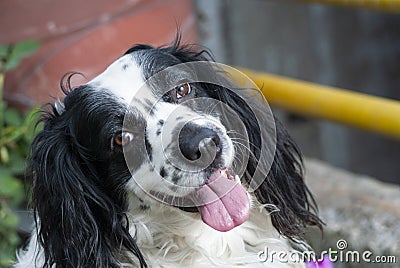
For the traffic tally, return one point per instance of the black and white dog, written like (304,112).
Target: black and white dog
(145,166)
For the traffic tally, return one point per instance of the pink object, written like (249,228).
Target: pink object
(223,203)
(324,263)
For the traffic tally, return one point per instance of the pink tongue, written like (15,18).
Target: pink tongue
(223,203)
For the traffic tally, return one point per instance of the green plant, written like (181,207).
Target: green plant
(16,133)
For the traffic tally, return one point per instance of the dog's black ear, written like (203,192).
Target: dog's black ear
(285,188)
(293,206)
(78,224)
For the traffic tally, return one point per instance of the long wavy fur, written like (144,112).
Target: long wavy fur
(79,224)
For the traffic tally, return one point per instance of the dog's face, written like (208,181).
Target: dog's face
(180,143)
(183,142)
(157,126)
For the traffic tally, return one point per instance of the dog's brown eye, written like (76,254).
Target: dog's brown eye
(123,138)
(183,90)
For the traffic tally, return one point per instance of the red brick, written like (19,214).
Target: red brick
(88,36)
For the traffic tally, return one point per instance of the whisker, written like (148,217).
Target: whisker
(237,141)
(242,146)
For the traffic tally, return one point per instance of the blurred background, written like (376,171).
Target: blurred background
(355,48)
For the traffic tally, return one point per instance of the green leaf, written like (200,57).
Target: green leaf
(18,51)
(24,48)
(4,155)
(17,162)
(12,134)
(3,50)
(8,236)
(4,172)
(31,118)
(14,238)
(6,259)
(12,117)
(11,187)
(9,220)
(11,63)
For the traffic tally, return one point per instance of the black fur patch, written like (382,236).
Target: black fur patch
(149,149)
(176,178)
(163,172)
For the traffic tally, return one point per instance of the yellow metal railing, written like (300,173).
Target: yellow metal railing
(382,5)
(346,107)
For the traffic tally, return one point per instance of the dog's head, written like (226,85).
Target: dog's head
(166,126)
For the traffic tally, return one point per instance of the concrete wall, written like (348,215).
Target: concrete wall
(358,209)
(349,48)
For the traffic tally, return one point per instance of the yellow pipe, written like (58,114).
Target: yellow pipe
(342,106)
(382,5)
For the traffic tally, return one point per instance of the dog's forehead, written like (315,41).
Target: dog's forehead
(124,78)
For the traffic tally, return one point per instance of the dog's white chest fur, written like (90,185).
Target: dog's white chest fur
(169,238)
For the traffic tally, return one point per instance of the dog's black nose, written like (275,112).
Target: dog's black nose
(193,138)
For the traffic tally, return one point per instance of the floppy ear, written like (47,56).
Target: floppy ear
(78,224)
(284,185)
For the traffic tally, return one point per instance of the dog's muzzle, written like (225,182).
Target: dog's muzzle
(222,201)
